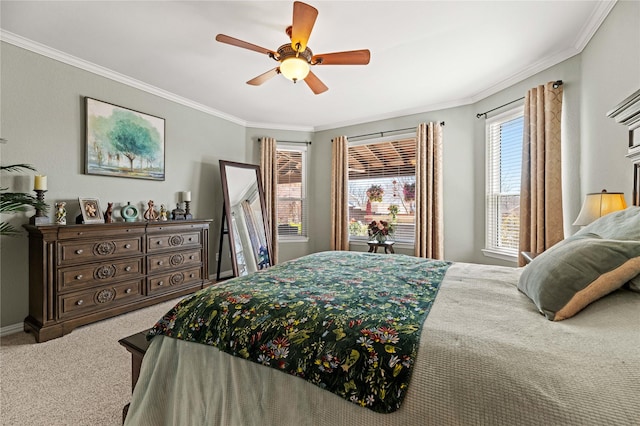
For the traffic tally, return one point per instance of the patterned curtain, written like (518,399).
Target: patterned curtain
(339,195)
(269,171)
(541,223)
(429,216)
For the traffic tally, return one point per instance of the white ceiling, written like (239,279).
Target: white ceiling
(425,55)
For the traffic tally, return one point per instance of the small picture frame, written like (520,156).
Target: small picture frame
(91,211)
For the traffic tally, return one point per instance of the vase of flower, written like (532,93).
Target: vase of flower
(379,230)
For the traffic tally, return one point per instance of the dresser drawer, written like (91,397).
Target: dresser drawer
(162,262)
(70,252)
(77,277)
(159,242)
(102,231)
(82,303)
(174,280)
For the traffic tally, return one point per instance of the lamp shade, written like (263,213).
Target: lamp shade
(294,68)
(598,204)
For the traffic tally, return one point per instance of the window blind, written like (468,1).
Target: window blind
(382,179)
(292,209)
(504,163)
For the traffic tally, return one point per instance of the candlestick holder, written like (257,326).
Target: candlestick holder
(40,217)
(187,210)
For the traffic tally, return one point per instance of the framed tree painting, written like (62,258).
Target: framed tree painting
(122,142)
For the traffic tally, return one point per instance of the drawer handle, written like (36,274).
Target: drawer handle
(79,251)
(159,262)
(128,291)
(192,257)
(128,268)
(160,283)
(79,277)
(159,243)
(192,275)
(79,302)
(127,246)
(190,239)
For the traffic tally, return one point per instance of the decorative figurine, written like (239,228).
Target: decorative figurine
(178,213)
(61,213)
(150,214)
(108,213)
(163,213)
(129,212)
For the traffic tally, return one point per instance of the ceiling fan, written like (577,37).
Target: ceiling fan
(295,58)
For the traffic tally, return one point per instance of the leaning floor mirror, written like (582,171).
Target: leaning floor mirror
(245,218)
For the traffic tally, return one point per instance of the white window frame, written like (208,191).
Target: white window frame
(302,148)
(491,249)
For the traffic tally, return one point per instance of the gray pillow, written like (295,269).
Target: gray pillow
(579,270)
(620,225)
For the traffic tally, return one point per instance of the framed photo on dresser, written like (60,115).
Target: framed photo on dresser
(91,212)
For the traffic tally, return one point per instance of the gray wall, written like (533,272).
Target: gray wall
(458,159)
(610,72)
(42,117)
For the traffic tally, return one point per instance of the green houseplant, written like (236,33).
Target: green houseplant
(14,202)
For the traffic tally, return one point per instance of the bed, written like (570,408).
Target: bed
(492,348)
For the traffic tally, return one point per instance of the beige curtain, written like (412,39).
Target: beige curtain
(429,217)
(541,224)
(339,195)
(269,173)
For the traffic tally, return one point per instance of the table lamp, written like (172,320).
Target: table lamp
(598,204)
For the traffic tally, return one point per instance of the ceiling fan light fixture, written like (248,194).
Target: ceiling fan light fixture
(294,68)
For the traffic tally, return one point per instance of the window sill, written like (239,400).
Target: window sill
(283,240)
(497,254)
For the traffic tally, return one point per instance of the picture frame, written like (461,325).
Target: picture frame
(90,210)
(122,142)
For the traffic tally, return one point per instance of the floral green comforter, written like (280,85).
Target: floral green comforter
(347,322)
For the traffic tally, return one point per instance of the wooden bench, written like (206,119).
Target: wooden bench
(137,344)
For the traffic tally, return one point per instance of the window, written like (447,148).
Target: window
(292,201)
(504,161)
(382,183)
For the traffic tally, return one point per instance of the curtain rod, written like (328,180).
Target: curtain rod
(556,84)
(384,131)
(278,140)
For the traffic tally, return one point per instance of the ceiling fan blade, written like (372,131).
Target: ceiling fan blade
(257,81)
(245,45)
(304,17)
(315,84)
(352,57)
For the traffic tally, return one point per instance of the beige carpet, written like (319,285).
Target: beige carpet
(83,378)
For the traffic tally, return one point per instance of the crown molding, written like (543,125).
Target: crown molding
(590,27)
(280,126)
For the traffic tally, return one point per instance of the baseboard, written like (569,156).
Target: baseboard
(11,329)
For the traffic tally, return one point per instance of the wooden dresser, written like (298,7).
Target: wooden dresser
(79,274)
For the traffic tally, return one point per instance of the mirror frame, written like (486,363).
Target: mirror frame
(224,165)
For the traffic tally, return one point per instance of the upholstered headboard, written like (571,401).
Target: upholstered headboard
(627,113)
